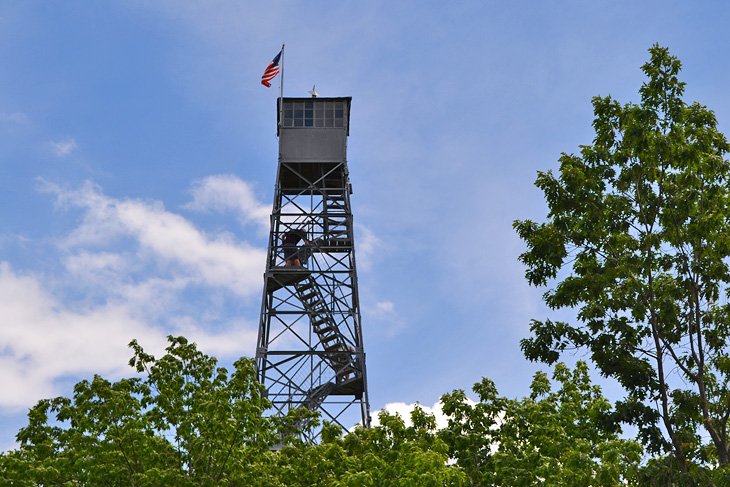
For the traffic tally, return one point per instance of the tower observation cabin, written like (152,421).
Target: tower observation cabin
(310,351)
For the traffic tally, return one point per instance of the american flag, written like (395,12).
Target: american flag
(271,71)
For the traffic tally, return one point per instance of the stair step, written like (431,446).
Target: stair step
(316,396)
(332,231)
(304,287)
(338,242)
(307,297)
(323,325)
(324,330)
(328,338)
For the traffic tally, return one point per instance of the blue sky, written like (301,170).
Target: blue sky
(138,157)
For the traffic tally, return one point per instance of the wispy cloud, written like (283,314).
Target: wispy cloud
(383,309)
(64,148)
(45,339)
(368,245)
(42,339)
(384,317)
(129,269)
(164,238)
(14,118)
(228,193)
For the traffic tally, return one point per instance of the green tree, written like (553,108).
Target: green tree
(391,454)
(185,423)
(549,438)
(637,240)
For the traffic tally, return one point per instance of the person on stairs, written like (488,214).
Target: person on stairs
(295,255)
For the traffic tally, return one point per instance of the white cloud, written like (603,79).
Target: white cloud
(93,264)
(129,269)
(64,148)
(229,342)
(41,339)
(404,411)
(14,118)
(383,308)
(165,238)
(385,312)
(368,245)
(229,193)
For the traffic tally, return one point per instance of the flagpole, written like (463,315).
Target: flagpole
(281,89)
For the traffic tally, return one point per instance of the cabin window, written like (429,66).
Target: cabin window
(317,114)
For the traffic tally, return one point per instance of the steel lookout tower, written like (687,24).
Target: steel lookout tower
(310,351)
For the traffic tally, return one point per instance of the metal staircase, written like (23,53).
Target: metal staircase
(324,326)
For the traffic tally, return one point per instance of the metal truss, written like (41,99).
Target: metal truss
(310,351)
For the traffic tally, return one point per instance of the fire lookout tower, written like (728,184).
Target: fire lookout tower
(310,351)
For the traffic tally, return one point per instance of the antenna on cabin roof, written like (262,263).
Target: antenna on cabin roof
(313,91)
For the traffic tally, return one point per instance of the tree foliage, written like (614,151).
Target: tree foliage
(549,438)
(186,421)
(391,454)
(637,239)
